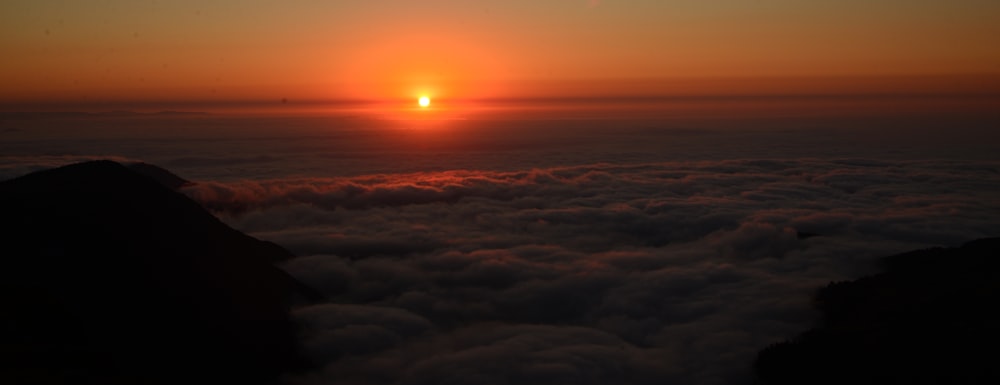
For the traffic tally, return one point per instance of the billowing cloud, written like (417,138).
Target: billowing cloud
(333,330)
(601,273)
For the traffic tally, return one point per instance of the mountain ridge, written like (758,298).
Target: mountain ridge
(927,318)
(113,277)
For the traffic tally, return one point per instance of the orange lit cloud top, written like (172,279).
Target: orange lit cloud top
(388,50)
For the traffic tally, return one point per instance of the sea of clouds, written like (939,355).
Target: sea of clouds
(669,272)
(510,252)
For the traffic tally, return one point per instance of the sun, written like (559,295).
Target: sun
(424,101)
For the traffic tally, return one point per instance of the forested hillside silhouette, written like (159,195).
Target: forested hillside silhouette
(930,318)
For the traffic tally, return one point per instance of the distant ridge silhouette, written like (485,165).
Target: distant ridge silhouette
(109,277)
(930,318)
(102,114)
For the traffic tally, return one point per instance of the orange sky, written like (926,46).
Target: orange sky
(383,50)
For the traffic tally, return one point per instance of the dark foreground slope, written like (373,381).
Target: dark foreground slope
(107,276)
(931,318)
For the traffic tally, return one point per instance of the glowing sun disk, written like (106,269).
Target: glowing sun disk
(424,101)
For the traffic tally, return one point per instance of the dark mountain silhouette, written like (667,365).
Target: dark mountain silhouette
(160,175)
(108,277)
(929,318)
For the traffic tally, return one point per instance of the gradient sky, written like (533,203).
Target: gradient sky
(205,50)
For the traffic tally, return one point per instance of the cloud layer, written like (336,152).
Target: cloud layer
(601,273)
